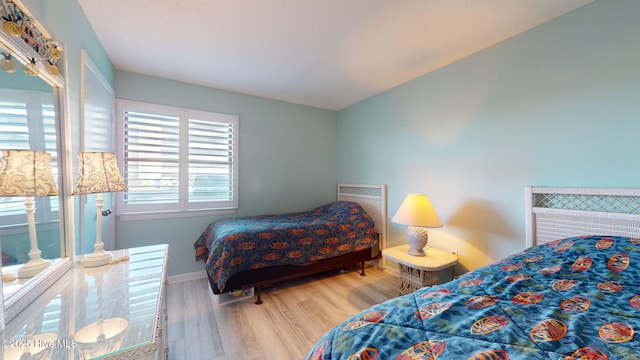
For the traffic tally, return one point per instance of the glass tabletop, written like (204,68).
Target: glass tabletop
(93,312)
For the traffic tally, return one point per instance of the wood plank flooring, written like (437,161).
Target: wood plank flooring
(294,315)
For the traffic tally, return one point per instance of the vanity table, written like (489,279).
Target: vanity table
(116,311)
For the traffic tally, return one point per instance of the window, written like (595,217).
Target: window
(176,160)
(28,121)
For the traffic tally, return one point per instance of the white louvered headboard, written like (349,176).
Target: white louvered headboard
(556,213)
(373,198)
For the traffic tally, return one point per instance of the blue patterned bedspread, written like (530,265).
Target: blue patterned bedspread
(575,298)
(232,245)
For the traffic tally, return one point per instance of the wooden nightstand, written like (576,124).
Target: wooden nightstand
(419,271)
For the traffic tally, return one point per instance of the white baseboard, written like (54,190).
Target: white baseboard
(186,277)
(203,274)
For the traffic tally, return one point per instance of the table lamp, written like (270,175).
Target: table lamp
(417,212)
(97,174)
(28,173)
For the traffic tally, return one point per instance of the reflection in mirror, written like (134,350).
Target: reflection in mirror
(40,328)
(28,173)
(27,121)
(31,119)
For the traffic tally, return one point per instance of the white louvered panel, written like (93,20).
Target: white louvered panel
(556,213)
(552,227)
(373,199)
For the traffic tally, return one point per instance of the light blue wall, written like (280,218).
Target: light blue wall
(20,80)
(288,160)
(66,22)
(288,156)
(556,106)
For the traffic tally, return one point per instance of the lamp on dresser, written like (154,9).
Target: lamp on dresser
(417,212)
(28,173)
(97,174)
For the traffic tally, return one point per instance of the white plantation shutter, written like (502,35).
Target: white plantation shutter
(151,158)
(176,159)
(211,165)
(15,129)
(50,205)
(14,134)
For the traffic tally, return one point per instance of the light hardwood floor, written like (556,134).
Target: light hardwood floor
(294,315)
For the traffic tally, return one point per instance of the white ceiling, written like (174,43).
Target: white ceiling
(324,53)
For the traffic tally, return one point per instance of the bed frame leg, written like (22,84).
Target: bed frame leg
(259,294)
(362,270)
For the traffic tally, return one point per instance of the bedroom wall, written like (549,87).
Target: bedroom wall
(288,160)
(555,106)
(288,153)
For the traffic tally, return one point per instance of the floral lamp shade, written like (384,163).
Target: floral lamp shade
(98,173)
(26,173)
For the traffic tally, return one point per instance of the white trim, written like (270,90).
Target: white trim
(529,219)
(197,275)
(182,207)
(585,191)
(560,219)
(88,66)
(174,214)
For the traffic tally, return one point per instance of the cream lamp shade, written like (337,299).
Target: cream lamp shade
(98,173)
(28,173)
(417,212)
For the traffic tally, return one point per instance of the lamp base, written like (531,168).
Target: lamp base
(417,238)
(34,266)
(98,257)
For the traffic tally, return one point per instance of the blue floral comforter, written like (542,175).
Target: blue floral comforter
(232,245)
(575,298)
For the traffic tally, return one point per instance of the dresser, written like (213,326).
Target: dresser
(116,311)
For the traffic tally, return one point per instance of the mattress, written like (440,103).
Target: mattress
(574,298)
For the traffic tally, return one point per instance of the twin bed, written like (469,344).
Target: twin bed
(250,252)
(573,293)
(569,295)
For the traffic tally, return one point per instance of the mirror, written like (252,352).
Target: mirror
(31,117)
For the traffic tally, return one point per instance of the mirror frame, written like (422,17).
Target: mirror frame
(23,53)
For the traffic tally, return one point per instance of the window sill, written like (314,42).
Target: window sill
(23,228)
(174,214)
